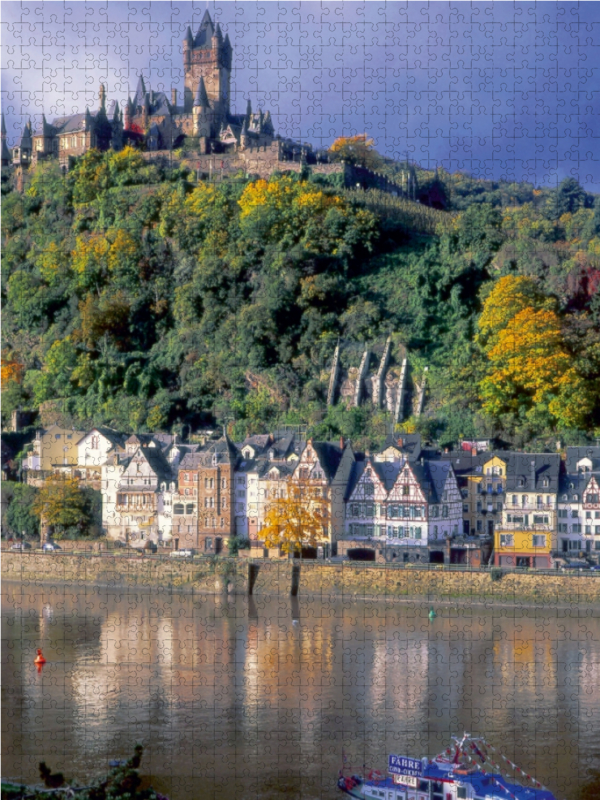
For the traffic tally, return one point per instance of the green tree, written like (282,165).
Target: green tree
(61,504)
(20,516)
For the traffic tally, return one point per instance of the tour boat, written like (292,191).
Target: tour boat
(471,769)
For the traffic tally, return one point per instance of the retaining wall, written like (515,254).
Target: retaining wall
(352,580)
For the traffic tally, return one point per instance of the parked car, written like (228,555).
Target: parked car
(21,546)
(181,553)
(575,566)
(50,547)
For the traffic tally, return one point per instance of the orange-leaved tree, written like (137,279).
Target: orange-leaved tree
(358,150)
(295,521)
(530,368)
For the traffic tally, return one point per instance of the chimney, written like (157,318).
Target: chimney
(473,451)
(445,449)
(533,474)
(173,97)
(341,442)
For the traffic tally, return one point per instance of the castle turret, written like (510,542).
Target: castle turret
(102,97)
(116,141)
(201,111)
(6,159)
(128,113)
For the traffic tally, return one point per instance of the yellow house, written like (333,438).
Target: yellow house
(54,449)
(523,548)
(486,489)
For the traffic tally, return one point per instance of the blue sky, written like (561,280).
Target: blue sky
(502,90)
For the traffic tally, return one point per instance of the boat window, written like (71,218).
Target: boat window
(423,786)
(461,792)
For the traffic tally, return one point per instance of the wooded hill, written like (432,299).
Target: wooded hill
(134,296)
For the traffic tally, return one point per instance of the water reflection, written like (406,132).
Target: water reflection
(246,697)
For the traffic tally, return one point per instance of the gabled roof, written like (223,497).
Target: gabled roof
(114,437)
(387,472)
(158,462)
(329,456)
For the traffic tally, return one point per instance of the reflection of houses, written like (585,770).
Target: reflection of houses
(524,537)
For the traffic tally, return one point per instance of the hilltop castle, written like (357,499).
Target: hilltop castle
(153,120)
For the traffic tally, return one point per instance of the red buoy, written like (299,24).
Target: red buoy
(39,659)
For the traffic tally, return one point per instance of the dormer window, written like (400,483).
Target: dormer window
(575,498)
(545,482)
(521,481)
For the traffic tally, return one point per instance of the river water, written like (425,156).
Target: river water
(234,697)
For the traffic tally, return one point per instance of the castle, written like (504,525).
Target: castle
(153,120)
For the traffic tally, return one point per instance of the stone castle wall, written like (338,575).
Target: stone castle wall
(325,580)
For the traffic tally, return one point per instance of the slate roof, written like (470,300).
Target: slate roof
(575,454)
(527,472)
(76,122)
(387,472)
(409,444)
(329,456)
(571,486)
(222,451)
(158,462)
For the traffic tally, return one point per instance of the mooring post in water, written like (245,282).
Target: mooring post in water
(252,576)
(295,580)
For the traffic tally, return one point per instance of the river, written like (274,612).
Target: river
(234,697)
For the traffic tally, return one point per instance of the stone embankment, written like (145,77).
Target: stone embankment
(315,579)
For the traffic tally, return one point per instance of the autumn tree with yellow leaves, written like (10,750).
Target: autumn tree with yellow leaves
(530,369)
(295,521)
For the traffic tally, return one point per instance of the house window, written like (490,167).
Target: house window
(540,501)
(406,490)
(524,500)
(539,540)
(575,512)
(562,528)
(223,483)
(178,508)
(190,508)
(208,543)
(515,500)
(417,533)
(592,498)
(576,528)
(597,530)
(444,511)
(369,489)
(465,508)
(563,512)
(223,503)
(540,520)
(507,540)
(588,528)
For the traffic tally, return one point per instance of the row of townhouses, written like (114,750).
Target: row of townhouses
(403,503)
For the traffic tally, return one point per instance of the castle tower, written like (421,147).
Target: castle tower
(102,97)
(6,159)
(207,56)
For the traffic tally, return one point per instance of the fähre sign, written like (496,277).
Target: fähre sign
(403,765)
